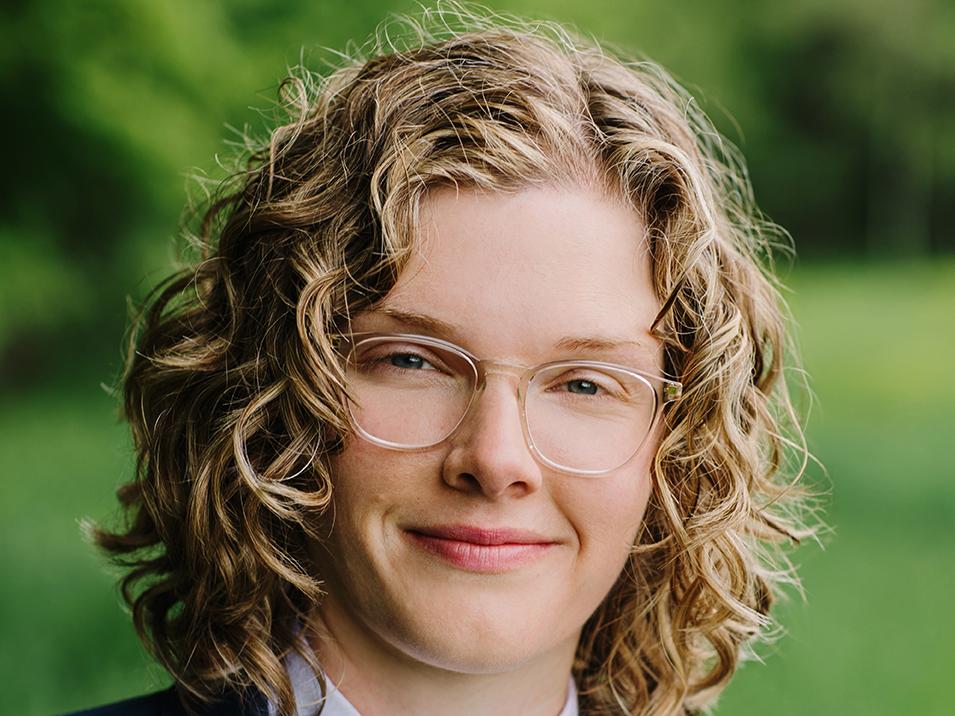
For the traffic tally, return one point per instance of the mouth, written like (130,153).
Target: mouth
(481,549)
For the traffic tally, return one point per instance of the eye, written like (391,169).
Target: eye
(581,387)
(411,361)
(586,384)
(398,358)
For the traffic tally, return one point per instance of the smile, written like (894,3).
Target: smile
(473,549)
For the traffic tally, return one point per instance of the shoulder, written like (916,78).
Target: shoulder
(167,703)
(159,703)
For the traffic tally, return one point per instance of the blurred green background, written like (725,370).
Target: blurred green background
(844,111)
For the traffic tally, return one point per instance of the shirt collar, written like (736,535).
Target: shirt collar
(308,693)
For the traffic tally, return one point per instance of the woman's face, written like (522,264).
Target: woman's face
(513,275)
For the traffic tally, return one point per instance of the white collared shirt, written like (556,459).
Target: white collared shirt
(307,693)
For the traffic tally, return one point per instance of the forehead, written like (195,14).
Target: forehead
(517,272)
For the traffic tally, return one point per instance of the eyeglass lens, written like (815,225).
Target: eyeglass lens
(413,394)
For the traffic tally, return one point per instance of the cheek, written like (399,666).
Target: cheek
(607,516)
(368,484)
(612,516)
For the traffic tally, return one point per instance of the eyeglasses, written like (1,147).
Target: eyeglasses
(583,417)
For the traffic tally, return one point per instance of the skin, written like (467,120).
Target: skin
(406,632)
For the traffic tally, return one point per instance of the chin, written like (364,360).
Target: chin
(486,653)
(459,634)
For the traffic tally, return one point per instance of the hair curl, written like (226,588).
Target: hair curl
(235,395)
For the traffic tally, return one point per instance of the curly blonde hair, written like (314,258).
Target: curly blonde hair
(236,397)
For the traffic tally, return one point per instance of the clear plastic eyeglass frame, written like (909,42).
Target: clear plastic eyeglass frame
(664,391)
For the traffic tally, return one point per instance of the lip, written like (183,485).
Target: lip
(488,550)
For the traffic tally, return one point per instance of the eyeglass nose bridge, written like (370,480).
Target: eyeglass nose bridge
(487,367)
(499,367)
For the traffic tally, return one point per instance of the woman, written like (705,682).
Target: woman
(471,402)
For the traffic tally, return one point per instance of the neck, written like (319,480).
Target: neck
(378,678)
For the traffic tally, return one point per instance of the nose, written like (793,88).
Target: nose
(488,452)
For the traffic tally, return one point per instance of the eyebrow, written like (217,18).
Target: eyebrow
(420,321)
(430,324)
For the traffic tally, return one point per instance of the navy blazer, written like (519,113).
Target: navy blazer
(167,703)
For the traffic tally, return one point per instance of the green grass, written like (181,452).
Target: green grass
(66,641)
(878,342)
(879,345)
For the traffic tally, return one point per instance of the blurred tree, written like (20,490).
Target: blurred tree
(859,92)
(843,110)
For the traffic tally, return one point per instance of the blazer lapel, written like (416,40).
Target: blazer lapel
(233,703)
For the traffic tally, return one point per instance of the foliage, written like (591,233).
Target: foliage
(109,104)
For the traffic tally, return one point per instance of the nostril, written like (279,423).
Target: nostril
(470,481)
